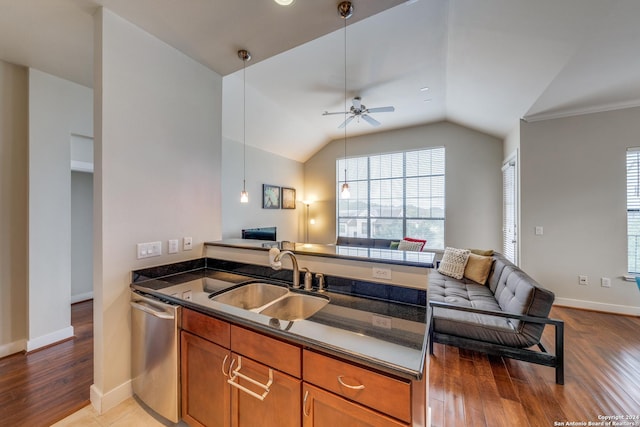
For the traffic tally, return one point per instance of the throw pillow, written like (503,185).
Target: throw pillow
(406,245)
(411,239)
(478,268)
(453,262)
(394,245)
(484,252)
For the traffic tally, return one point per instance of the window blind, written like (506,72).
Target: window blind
(394,195)
(633,210)
(509,212)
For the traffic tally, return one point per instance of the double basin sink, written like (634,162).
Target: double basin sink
(272,300)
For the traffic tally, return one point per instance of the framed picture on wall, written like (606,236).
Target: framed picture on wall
(270,197)
(288,198)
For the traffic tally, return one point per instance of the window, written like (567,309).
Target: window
(394,195)
(633,210)
(509,212)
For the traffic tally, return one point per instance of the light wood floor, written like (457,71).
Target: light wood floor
(602,378)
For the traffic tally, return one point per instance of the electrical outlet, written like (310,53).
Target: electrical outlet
(381,321)
(605,282)
(187,243)
(583,280)
(381,273)
(173,246)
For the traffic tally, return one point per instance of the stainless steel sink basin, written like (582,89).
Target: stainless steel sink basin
(273,301)
(295,307)
(252,295)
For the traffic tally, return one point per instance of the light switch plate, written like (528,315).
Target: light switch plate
(173,246)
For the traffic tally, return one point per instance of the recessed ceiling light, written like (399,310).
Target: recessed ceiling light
(424,89)
(285,2)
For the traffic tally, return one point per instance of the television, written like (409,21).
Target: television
(262,233)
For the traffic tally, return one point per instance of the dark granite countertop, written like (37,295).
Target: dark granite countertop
(381,326)
(353,253)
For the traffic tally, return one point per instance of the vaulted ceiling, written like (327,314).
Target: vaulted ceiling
(486,64)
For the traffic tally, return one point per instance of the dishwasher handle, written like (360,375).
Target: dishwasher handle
(144,305)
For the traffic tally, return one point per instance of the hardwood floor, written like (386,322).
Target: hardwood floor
(602,378)
(42,387)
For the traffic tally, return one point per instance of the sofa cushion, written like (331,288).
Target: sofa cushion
(478,268)
(453,262)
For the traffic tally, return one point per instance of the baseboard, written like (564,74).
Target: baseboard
(103,402)
(50,338)
(598,306)
(12,348)
(81,297)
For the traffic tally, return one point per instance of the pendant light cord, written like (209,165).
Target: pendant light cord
(244,124)
(345,99)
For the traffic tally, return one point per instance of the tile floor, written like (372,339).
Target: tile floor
(129,413)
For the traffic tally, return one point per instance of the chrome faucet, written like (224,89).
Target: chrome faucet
(294,261)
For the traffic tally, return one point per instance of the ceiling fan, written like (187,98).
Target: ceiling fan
(358,109)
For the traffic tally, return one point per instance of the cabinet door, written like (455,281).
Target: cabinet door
(324,409)
(262,396)
(205,392)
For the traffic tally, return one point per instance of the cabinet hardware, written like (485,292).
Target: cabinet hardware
(223,362)
(304,403)
(237,374)
(352,387)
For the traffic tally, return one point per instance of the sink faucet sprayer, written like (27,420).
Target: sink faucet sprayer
(275,257)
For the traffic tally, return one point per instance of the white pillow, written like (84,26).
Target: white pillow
(453,262)
(406,245)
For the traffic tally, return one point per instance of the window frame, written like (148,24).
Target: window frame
(355,182)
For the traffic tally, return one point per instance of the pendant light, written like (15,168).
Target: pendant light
(245,56)
(345,9)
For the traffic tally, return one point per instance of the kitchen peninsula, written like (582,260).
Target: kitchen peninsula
(325,369)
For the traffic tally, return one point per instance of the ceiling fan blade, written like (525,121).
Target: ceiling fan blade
(370,120)
(346,122)
(357,102)
(388,109)
(326,113)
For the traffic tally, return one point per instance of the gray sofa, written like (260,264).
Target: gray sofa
(504,317)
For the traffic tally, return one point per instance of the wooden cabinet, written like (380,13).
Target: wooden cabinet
(205,393)
(235,377)
(232,376)
(252,404)
(324,409)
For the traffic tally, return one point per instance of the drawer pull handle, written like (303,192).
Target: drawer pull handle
(223,363)
(304,403)
(237,374)
(352,387)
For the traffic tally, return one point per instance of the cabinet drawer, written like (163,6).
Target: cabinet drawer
(270,351)
(209,328)
(386,394)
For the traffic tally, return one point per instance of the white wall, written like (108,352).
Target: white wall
(262,167)
(81,236)
(57,109)
(14,178)
(573,183)
(157,176)
(473,180)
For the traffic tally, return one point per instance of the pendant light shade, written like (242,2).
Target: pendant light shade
(345,10)
(245,56)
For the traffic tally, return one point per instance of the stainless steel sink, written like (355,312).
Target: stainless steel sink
(295,307)
(252,295)
(273,301)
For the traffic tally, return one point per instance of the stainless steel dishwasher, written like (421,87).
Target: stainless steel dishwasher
(155,354)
